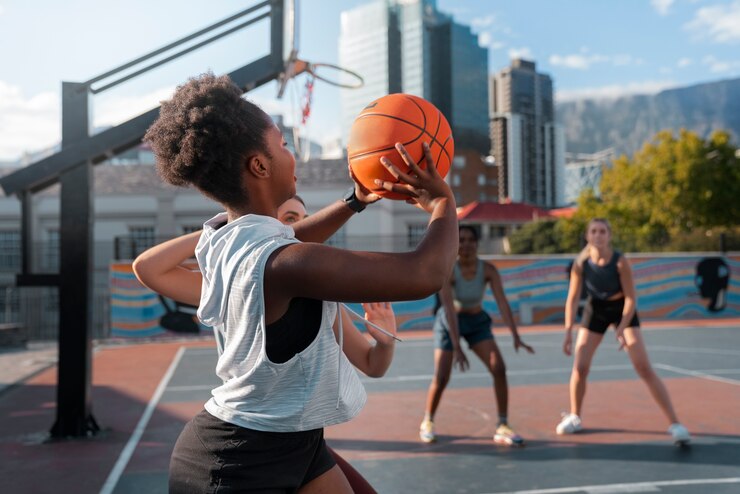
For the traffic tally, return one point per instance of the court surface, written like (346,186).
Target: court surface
(144,394)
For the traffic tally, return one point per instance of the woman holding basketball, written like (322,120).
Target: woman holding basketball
(461,314)
(607,276)
(157,265)
(263,427)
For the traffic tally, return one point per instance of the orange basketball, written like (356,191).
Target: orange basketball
(402,118)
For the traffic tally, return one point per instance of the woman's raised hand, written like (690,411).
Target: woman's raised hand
(423,187)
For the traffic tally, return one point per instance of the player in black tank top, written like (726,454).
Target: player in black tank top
(612,300)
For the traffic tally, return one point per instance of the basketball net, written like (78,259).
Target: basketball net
(301,105)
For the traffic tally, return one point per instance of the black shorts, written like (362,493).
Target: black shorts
(598,315)
(213,456)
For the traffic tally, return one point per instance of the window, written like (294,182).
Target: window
(481,180)
(10,250)
(142,237)
(191,228)
(458,162)
(455,180)
(415,232)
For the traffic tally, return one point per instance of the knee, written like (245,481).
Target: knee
(498,368)
(580,370)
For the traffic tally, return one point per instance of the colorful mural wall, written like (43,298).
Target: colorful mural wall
(685,286)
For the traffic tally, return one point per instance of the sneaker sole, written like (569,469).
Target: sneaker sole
(507,441)
(427,440)
(567,433)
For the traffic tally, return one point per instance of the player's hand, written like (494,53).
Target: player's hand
(363,194)
(459,359)
(422,187)
(568,343)
(380,313)
(518,343)
(620,338)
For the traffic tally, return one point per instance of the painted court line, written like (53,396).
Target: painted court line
(703,375)
(128,450)
(631,487)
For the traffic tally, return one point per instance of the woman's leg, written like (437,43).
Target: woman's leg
(586,344)
(442,371)
(490,355)
(330,482)
(637,351)
(358,483)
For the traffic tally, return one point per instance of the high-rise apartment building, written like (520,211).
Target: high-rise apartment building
(528,145)
(409,46)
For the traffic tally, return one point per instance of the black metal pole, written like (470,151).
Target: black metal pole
(74,404)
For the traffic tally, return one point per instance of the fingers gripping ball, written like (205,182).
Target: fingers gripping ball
(402,118)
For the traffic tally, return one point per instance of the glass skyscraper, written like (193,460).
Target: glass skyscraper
(409,46)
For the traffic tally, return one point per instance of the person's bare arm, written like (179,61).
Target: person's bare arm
(497,288)
(159,269)
(628,289)
(571,305)
(321,225)
(373,360)
(446,298)
(325,273)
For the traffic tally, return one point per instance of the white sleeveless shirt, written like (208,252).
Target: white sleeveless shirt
(316,388)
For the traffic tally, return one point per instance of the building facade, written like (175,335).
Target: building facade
(527,144)
(409,46)
(584,171)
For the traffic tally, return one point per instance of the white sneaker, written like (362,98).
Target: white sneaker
(570,424)
(426,432)
(680,433)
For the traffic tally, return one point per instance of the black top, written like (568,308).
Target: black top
(295,331)
(602,282)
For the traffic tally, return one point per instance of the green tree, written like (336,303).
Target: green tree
(669,188)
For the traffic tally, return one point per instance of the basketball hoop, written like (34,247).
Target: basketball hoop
(344,78)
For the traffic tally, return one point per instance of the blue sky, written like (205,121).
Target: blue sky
(591,48)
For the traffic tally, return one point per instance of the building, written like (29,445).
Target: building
(583,171)
(409,46)
(473,178)
(527,144)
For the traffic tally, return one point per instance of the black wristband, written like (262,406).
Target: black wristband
(351,200)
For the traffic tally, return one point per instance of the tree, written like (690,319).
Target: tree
(669,188)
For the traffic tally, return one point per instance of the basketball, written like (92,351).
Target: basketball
(403,118)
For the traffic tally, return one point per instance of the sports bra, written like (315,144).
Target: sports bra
(468,294)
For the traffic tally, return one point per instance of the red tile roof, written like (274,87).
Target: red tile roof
(512,212)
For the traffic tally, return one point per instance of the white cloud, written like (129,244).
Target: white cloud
(523,52)
(497,45)
(662,6)
(665,70)
(2,10)
(614,91)
(576,61)
(484,39)
(483,22)
(584,60)
(683,62)
(115,110)
(720,23)
(718,66)
(27,123)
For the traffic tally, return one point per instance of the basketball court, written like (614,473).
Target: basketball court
(144,394)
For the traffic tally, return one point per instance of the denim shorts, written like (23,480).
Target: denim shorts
(213,456)
(473,327)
